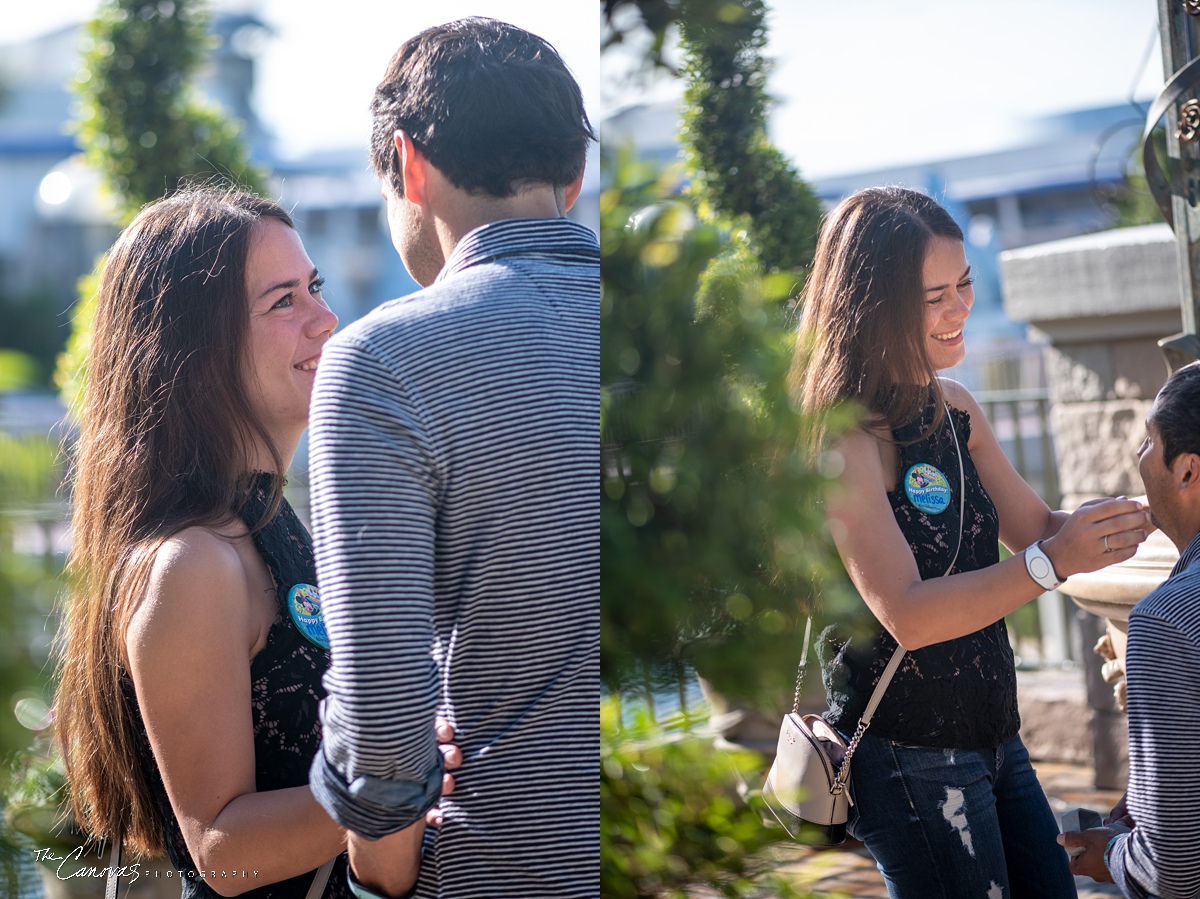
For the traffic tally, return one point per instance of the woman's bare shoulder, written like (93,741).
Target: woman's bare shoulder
(957,395)
(196,577)
(862,450)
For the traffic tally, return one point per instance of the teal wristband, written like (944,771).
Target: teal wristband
(1108,849)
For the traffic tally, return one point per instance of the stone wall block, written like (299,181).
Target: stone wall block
(1126,270)
(1110,750)
(1054,716)
(1097,446)
(1142,370)
(1080,373)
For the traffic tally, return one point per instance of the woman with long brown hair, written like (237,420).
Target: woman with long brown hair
(190,672)
(944,794)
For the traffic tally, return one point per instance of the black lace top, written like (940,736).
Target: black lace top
(960,693)
(285,690)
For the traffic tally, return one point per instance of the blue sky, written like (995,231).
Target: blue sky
(873,83)
(862,84)
(319,70)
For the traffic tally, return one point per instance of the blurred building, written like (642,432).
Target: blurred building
(55,220)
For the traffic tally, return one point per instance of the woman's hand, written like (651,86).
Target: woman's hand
(452,757)
(1097,534)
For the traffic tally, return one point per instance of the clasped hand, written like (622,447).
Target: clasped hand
(1086,847)
(451,758)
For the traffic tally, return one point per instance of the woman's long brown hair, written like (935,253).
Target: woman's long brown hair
(862,331)
(165,433)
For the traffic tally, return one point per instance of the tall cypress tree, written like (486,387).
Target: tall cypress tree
(711,541)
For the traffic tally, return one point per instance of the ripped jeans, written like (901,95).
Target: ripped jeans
(957,823)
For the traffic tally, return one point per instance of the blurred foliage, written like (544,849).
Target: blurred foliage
(712,542)
(18,370)
(28,587)
(672,819)
(72,361)
(711,534)
(33,327)
(737,176)
(1130,201)
(655,17)
(141,122)
(144,127)
(35,798)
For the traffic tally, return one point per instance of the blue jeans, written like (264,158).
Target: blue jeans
(956,823)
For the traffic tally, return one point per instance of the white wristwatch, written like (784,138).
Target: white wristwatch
(1040,568)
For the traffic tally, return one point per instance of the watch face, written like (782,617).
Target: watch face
(1039,567)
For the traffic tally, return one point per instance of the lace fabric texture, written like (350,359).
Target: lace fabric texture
(960,693)
(285,692)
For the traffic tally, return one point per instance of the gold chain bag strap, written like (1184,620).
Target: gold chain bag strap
(806,786)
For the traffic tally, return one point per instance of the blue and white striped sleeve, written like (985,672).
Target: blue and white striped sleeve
(1161,857)
(375,485)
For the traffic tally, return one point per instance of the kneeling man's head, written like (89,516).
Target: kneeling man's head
(1169,457)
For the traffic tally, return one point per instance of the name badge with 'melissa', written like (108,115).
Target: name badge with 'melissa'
(304,606)
(927,488)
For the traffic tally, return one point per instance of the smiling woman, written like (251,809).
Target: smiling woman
(190,674)
(289,323)
(943,788)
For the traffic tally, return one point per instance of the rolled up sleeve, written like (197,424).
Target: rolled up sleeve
(375,487)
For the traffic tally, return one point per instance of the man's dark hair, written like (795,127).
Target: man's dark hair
(493,107)
(1176,413)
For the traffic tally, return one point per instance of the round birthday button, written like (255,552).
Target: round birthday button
(927,488)
(304,606)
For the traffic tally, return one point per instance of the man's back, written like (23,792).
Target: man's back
(453,457)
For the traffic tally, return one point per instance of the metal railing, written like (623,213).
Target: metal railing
(1021,422)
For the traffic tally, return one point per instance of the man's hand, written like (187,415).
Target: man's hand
(1120,813)
(1090,862)
(452,758)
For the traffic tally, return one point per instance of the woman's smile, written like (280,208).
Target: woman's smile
(949,297)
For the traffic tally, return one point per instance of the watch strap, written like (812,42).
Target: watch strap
(1040,568)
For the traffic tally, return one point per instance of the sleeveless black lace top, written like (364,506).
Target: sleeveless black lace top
(285,690)
(958,694)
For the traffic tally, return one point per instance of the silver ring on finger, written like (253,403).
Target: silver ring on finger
(1107,548)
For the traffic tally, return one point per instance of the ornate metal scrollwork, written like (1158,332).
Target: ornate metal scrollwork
(1189,121)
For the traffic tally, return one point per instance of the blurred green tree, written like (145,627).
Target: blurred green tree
(710,530)
(28,586)
(143,125)
(711,534)
(712,543)
(32,328)
(141,122)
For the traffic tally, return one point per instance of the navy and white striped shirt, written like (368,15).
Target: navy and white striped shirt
(453,454)
(1161,857)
